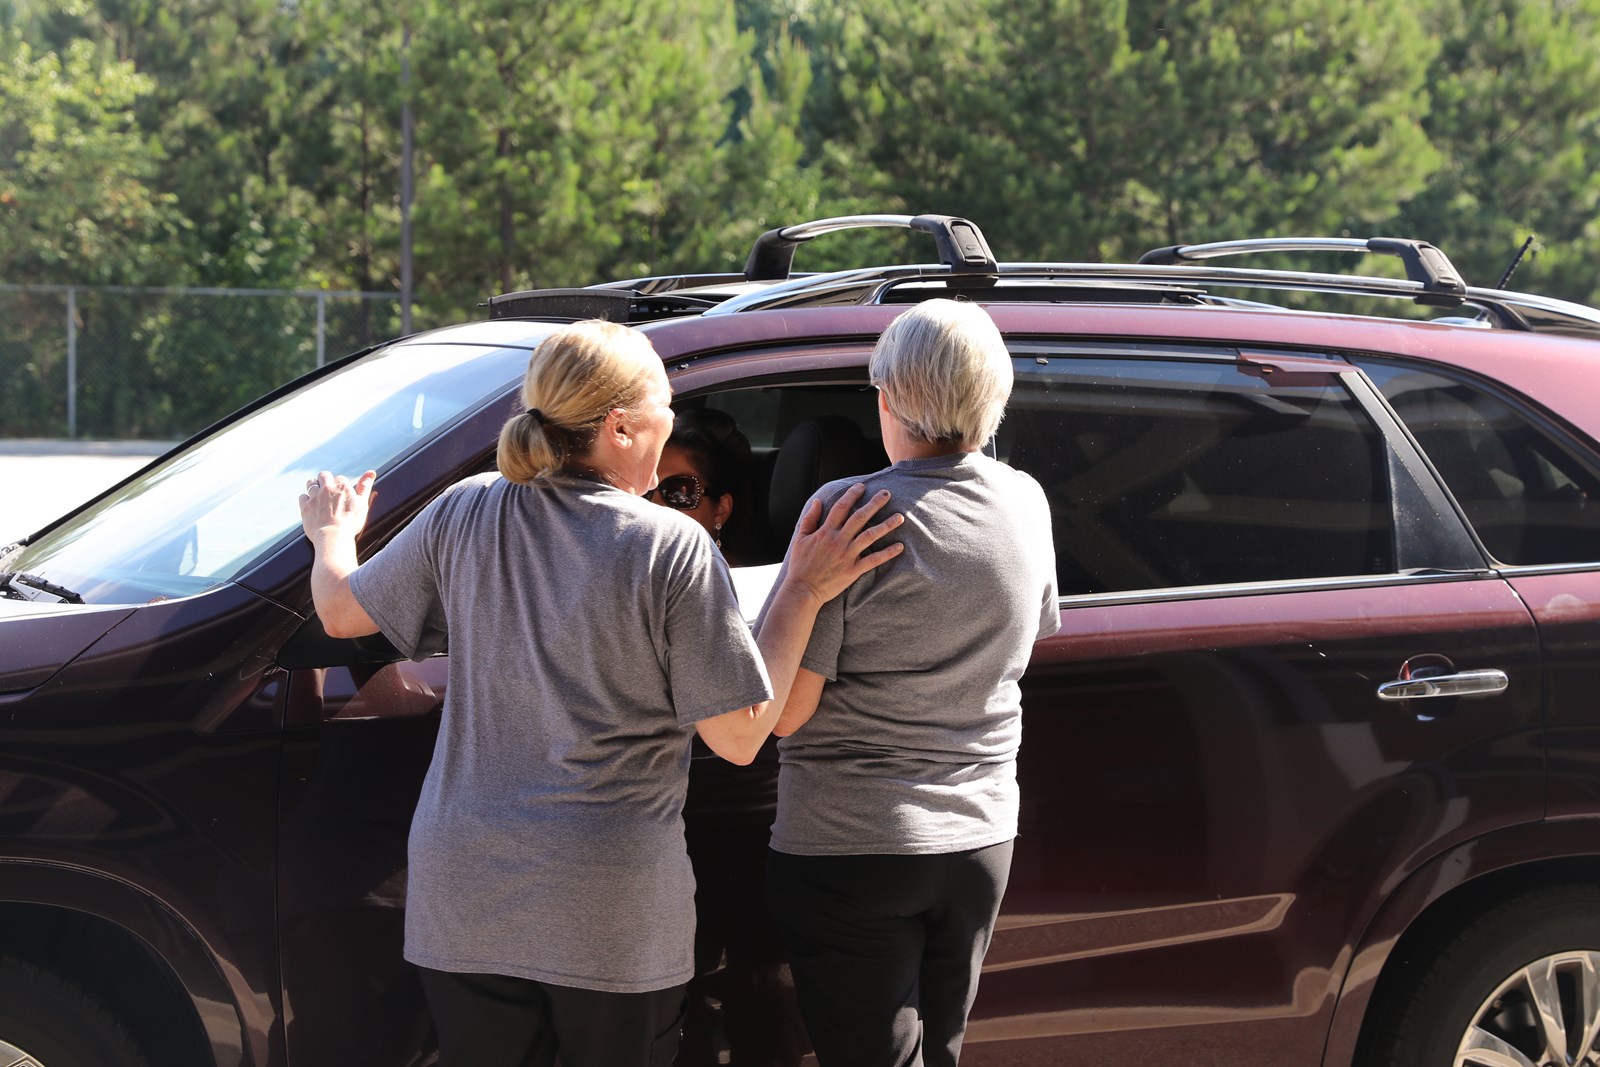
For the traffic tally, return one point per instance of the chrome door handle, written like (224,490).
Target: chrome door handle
(1460,684)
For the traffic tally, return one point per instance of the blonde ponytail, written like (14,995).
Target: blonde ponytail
(575,377)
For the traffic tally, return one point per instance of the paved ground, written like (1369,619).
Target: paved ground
(44,479)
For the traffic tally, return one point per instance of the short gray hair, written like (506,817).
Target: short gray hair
(945,373)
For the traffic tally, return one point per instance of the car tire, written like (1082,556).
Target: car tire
(48,1022)
(1473,998)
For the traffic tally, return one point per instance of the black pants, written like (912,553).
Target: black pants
(491,1020)
(885,950)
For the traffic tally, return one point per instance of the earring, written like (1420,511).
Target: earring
(719,535)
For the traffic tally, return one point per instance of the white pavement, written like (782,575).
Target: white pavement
(44,479)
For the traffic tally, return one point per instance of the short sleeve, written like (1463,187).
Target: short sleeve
(827,633)
(827,638)
(713,664)
(1049,612)
(399,588)
(1049,603)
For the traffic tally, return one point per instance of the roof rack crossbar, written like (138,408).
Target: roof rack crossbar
(1425,264)
(614,305)
(961,244)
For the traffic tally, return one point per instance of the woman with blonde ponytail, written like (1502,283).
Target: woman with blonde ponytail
(550,903)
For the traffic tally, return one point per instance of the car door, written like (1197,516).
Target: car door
(1530,488)
(359,727)
(1216,793)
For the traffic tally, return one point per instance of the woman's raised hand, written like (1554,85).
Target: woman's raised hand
(830,551)
(335,504)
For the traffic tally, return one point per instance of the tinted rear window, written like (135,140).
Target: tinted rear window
(1166,473)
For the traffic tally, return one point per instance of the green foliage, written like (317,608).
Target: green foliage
(1281,117)
(568,142)
(258,143)
(1082,129)
(1516,113)
(78,195)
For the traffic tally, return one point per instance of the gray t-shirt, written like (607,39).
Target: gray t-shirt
(588,630)
(913,747)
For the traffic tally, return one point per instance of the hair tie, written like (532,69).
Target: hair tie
(537,416)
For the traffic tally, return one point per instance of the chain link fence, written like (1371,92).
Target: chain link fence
(116,362)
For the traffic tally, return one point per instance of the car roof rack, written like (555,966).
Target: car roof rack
(961,245)
(1080,282)
(1179,274)
(1440,281)
(598,302)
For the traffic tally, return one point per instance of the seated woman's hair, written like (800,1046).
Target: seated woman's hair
(575,377)
(719,450)
(718,447)
(944,372)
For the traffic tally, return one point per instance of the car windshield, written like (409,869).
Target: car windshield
(201,517)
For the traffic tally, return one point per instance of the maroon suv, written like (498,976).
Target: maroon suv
(1311,773)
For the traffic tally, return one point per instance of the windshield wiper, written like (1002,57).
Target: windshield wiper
(10,580)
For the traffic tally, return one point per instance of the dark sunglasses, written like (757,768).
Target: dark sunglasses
(681,491)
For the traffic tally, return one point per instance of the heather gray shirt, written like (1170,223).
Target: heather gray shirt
(913,746)
(588,630)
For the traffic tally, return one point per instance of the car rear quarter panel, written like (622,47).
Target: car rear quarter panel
(1522,857)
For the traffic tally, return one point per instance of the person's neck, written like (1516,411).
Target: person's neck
(899,445)
(927,450)
(595,468)
(578,468)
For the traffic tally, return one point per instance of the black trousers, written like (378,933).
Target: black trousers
(885,950)
(491,1020)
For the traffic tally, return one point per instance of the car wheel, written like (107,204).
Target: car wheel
(1520,987)
(47,1022)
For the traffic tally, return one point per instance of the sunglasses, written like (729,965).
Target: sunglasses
(681,491)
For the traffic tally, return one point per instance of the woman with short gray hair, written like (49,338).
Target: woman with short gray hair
(897,794)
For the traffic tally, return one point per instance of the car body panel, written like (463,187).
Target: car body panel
(238,1025)
(152,760)
(358,743)
(48,636)
(1566,606)
(1532,852)
(1202,783)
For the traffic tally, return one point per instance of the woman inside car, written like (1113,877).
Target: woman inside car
(897,796)
(739,999)
(704,472)
(549,897)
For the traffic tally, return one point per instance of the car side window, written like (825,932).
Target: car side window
(1530,496)
(1178,472)
(801,436)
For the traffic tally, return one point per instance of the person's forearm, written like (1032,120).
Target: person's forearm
(337,607)
(739,735)
(785,632)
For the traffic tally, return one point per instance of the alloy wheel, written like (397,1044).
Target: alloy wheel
(1546,1014)
(12,1056)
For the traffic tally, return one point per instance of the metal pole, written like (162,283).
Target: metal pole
(72,362)
(322,328)
(405,180)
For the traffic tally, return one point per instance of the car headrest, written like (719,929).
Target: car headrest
(814,453)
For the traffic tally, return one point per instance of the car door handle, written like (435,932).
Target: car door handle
(1460,684)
